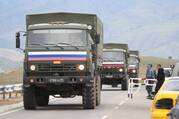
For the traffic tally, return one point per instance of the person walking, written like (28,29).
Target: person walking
(150,75)
(160,78)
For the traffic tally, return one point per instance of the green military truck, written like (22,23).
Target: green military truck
(115,65)
(134,60)
(63,56)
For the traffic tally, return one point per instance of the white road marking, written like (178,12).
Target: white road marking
(120,104)
(52,99)
(9,112)
(104,117)
(117,107)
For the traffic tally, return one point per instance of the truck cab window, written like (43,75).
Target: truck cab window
(115,56)
(74,37)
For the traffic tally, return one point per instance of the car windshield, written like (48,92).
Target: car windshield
(133,60)
(61,37)
(115,56)
(172,85)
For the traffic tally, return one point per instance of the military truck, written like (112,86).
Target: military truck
(63,56)
(115,65)
(134,61)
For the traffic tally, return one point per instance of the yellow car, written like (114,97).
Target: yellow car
(165,99)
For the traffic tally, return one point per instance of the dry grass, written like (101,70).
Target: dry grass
(11,78)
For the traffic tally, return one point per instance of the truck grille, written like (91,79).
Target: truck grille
(56,68)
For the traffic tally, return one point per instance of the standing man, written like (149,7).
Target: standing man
(150,75)
(160,78)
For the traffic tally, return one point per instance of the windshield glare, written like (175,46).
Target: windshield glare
(172,85)
(115,56)
(56,36)
(133,60)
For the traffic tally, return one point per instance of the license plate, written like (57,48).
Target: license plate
(109,76)
(56,80)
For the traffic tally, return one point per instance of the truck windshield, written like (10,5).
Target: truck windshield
(133,60)
(114,56)
(61,37)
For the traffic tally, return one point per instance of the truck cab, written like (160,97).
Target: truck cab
(134,61)
(62,57)
(115,62)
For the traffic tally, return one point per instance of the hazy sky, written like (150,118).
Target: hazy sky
(151,26)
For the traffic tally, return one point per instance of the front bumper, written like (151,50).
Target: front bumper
(57,80)
(133,75)
(112,79)
(112,76)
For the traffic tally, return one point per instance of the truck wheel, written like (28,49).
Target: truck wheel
(29,98)
(89,97)
(124,84)
(42,100)
(98,91)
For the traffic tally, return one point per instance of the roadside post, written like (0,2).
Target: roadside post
(133,82)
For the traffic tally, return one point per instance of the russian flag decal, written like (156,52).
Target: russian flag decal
(54,55)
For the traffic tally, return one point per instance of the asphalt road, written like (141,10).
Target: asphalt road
(114,105)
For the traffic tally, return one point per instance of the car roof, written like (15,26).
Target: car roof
(173,78)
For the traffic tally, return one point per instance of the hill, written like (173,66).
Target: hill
(16,75)
(154,61)
(10,60)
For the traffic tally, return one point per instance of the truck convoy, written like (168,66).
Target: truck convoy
(115,65)
(63,56)
(134,61)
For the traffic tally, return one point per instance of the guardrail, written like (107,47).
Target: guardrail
(8,90)
(137,82)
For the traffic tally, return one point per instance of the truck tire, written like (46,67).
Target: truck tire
(98,91)
(42,100)
(124,84)
(29,98)
(89,97)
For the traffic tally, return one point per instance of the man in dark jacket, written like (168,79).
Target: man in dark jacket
(160,78)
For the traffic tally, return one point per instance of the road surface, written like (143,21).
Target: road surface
(114,105)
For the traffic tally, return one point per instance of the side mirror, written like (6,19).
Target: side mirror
(139,59)
(128,55)
(97,39)
(17,40)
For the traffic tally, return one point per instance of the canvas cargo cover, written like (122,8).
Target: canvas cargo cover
(89,19)
(115,46)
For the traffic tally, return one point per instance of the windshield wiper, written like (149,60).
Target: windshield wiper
(39,45)
(35,44)
(107,59)
(56,45)
(68,45)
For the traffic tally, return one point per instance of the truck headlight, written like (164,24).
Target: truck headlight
(134,71)
(81,67)
(32,67)
(120,70)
